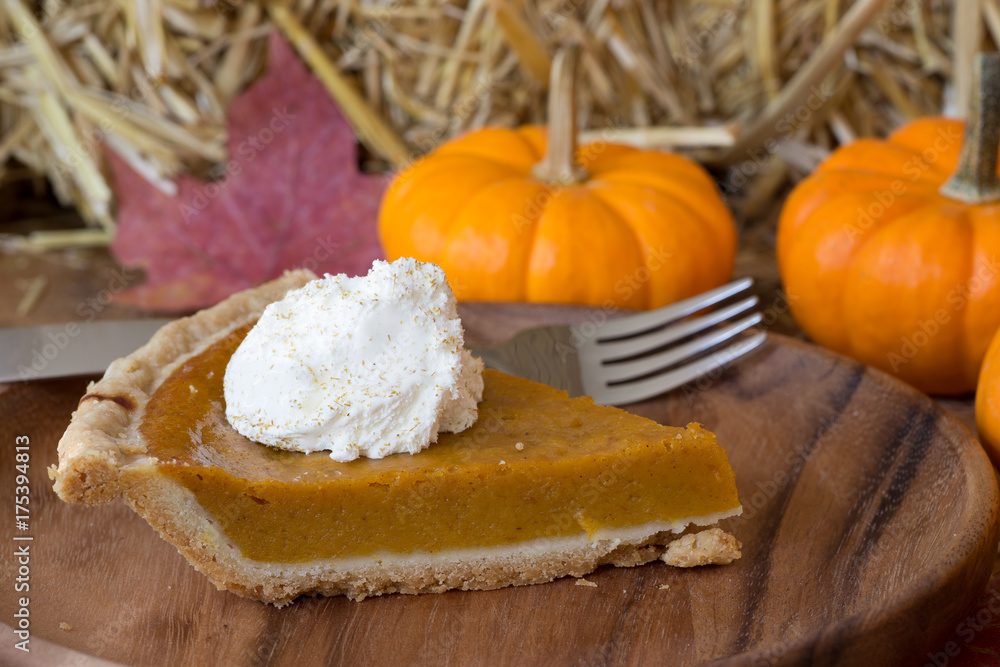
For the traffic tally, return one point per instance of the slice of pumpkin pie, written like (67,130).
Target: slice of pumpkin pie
(540,486)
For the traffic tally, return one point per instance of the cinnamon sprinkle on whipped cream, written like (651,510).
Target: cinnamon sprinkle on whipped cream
(366,366)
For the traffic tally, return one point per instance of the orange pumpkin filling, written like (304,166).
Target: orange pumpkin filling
(535,465)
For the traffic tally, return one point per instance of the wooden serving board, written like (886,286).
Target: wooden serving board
(870,528)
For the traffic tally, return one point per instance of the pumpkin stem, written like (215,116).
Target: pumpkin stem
(975,181)
(559,164)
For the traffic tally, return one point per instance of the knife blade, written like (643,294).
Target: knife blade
(70,348)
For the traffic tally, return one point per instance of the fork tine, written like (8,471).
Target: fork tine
(630,347)
(653,319)
(634,392)
(626,370)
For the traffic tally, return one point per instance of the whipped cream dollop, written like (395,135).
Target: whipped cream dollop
(366,366)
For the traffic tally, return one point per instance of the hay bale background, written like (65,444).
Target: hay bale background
(758,89)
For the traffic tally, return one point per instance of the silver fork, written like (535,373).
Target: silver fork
(633,358)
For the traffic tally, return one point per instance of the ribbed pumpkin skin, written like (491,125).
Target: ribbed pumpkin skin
(645,229)
(879,265)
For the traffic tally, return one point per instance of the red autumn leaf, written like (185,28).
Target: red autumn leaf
(291,196)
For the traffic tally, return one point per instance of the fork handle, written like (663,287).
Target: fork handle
(545,354)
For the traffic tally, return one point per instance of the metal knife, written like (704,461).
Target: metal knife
(70,348)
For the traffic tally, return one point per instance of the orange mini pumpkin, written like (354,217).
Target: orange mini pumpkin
(510,216)
(887,260)
(988,401)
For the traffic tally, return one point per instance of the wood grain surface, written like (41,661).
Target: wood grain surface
(870,526)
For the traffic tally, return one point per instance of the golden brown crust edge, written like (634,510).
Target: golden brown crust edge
(100,438)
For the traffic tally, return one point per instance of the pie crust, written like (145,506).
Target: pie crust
(103,456)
